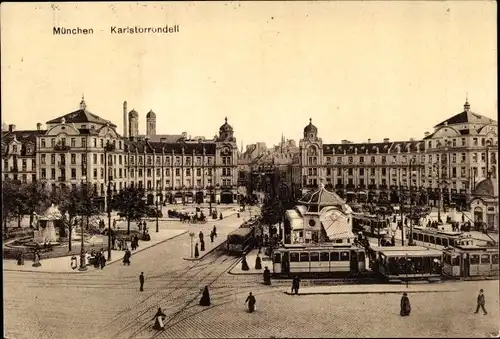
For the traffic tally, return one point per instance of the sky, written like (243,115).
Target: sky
(359,70)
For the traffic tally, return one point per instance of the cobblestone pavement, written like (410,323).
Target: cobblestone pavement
(108,304)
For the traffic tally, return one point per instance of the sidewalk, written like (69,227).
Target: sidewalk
(372,289)
(63,264)
(251,256)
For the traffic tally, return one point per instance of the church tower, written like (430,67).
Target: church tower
(133,123)
(150,124)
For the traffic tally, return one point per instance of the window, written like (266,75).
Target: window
(349,160)
(277,258)
(73,173)
(73,159)
(383,159)
(188,172)
(474,258)
(454,158)
(431,239)
(304,257)
(294,257)
(43,173)
(344,256)
(52,142)
(334,256)
(361,160)
(438,241)
(474,141)
(494,259)
(52,159)
(43,143)
(73,142)
(372,159)
(445,242)
(324,256)
(314,256)
(485,259)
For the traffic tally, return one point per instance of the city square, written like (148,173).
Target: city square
(319,170)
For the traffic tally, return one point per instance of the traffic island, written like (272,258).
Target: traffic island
(373,289)
(63,264)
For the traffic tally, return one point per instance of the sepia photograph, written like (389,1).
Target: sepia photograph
(249,169)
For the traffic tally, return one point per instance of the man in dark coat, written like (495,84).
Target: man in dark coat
(258,263)
(215,231)
(212,235)
(295,285)
(405,305)
(205,297)
(141,281)
(202,245)
(196,252)
(159,318)
(244,264)
(480,302)
(267,276)
(251,302)
(200,235)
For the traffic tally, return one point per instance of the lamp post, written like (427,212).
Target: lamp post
(191,234)
(83,266)
(109,217)
(412,163)
(157,198)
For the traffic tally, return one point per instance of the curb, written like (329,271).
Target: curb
(368,292)
(206,253)
(110,263)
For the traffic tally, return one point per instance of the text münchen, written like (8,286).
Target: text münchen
(139,30)
(72,31)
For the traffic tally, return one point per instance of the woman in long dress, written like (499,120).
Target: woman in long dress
(405,305)
(159,318)
(205,298)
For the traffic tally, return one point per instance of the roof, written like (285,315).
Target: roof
(487,188)
(81,116)
(22,136)
(310,128)
(335,224)
(133,113)
(411,253)
(143,146)
(296,221)
(169,138)
(241,232)
(322,197)
(466,117)
(151,115)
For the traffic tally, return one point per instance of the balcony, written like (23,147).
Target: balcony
(61,148)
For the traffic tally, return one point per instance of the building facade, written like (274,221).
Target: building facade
(81,147)
(445,164)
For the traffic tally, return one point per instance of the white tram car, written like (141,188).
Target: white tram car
(318,260)
(471,260)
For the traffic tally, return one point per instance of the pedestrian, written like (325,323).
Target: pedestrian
(212,236)
(113,242)
(480,302)
(393,241)
(205,297)
(244,264)
(220,216)
(141,281)
(200,235)
(215,231)
(114,223)
(126,258)
(202,245)
(196,253)
(251,302)
(295,285)
(136,238)
(405,306)
(267,276)
(73,262)
(158,318)
(258,263)
(103,262)
(36,259)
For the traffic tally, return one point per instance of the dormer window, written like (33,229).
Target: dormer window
(14,148)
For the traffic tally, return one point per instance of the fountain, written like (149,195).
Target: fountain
(46,226)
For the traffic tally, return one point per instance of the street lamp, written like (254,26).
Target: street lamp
(191,234)
(83,266)
(412,163)
(109,216)
(157,198)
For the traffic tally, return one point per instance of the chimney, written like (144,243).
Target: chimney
(369,141)
(386,140)
(12,128)
(38,126)
(426,134)
(125,128)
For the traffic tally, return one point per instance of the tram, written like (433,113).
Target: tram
(436,239)
(470,260)
(403,263)
(370,225)
(316,260)
(241,240)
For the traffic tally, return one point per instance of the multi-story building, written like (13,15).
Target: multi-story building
(81,147)
(445,164)
(19,154)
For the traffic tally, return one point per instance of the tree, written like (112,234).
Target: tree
(35,197)
(130,202)
(73,203)
(10,200)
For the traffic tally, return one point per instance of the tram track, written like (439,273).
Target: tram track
(177,288)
